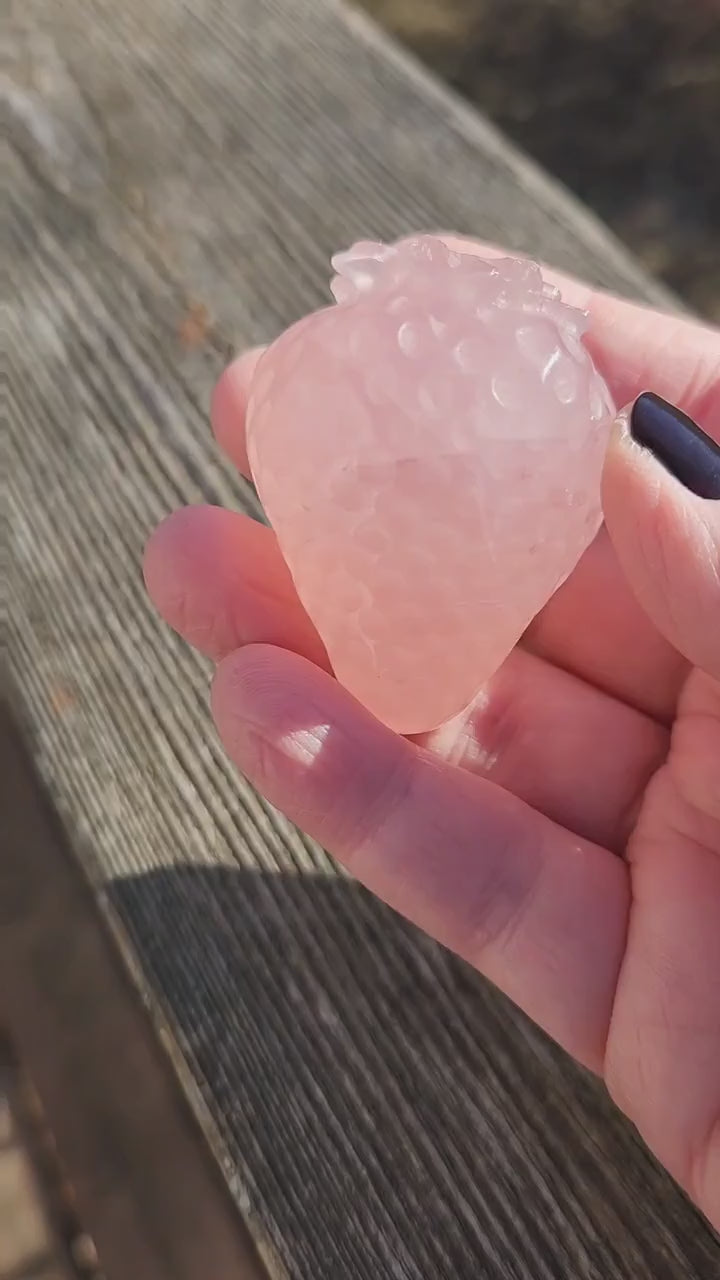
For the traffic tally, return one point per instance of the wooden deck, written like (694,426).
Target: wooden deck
(125,1147)
(271,1074)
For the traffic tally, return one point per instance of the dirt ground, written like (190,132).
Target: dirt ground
(620,99)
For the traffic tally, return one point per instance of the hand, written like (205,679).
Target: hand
(563,835)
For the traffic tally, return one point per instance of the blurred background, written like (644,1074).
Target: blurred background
(620,99)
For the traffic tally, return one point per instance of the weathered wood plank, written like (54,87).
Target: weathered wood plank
(179,174)
(144,1185)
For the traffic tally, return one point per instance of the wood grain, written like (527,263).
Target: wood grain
(119,1152)
(179,173)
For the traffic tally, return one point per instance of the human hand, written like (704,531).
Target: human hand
(563,835)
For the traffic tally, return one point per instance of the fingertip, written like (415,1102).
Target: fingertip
(666,534)
(641,502)
(276,693)
(628,470)
(228,407)
(160,557)
(657,453)
(178,568)
(300,738)
(218,578)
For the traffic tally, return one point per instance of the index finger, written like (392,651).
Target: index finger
(541,912)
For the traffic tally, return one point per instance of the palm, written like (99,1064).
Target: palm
(590,692)
(564,833)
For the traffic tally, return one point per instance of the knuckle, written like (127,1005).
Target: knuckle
(499,729)
(501,900)
(365,817)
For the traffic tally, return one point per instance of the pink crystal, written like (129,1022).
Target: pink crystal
(429,453)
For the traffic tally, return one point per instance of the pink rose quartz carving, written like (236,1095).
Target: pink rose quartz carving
(429,453)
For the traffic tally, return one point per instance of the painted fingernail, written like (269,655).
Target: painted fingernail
(678,443)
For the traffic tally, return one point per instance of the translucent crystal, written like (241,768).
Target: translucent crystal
(429,453)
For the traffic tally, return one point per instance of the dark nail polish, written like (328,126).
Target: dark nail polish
(678,443)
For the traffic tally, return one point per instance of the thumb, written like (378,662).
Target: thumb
(661,497)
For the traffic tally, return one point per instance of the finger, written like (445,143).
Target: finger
(576,755)
(539,911)
(229,405)
(595,627)
(219,579)
(665,1031)
(666,537)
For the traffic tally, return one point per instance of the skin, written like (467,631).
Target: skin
(564,834)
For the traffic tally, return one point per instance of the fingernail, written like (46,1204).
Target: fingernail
(678,443)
